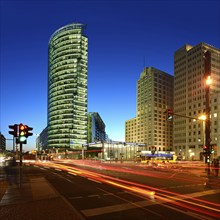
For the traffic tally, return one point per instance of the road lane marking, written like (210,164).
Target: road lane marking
(185,198)
(68,180)
(94,180)
(192,214)
(194,185)
(58,169)
(108,194)
(62,177)
(172,175)
(90,196)
(72,173)
(114,208)
(144,203)
(204,193)
(75,197)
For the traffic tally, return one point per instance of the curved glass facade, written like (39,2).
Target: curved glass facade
(67,87)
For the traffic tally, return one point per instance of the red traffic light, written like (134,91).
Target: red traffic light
(24,130)
(21,127)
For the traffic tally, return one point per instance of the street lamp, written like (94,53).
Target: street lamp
(208,81)
(202,117)
(37,144)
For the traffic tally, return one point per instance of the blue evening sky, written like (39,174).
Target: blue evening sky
(124,36)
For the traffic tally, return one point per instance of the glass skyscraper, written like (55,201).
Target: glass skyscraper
(67,87)
(96,128)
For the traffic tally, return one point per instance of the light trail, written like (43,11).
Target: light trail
(180,200)
(125,170)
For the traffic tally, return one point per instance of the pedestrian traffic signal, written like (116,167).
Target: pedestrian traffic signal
(14,131)
(169,114)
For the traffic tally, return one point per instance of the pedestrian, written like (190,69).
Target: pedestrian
(216,164)
(213,166)
(11,171)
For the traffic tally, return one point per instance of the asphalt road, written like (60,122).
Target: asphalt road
(109,191)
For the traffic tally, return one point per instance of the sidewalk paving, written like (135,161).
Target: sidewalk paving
(34,199)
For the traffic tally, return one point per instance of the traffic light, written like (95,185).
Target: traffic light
(21,132)
(169,114)
(212,150)
(14,131)
(28,129)
(22,137)
(24,133)
(205,149)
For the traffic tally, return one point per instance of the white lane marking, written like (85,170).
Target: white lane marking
(144,203)
(94,180)
(76,197)
(93,196)
(58,169)
(72,173)
(62,177)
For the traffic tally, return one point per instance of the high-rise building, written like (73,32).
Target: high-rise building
(67,87)
(130,130)
(2,142)
(41,140)
(96,128)
(154,97)
(190,100)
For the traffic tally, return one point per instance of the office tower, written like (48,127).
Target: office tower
(67,87)
(96,128)
(130,130)
(2,142)
(154,97)
(190,100)
(41,140)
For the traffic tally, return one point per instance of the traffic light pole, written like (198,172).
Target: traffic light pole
(20,132)
(20,154)
(185,116)
(20,173)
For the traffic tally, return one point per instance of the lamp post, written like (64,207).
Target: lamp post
(207,109)
(82,151)
(203,119)
(37,144)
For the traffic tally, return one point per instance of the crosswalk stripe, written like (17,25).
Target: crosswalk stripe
(132,205)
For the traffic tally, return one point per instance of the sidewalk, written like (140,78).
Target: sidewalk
(34,199)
